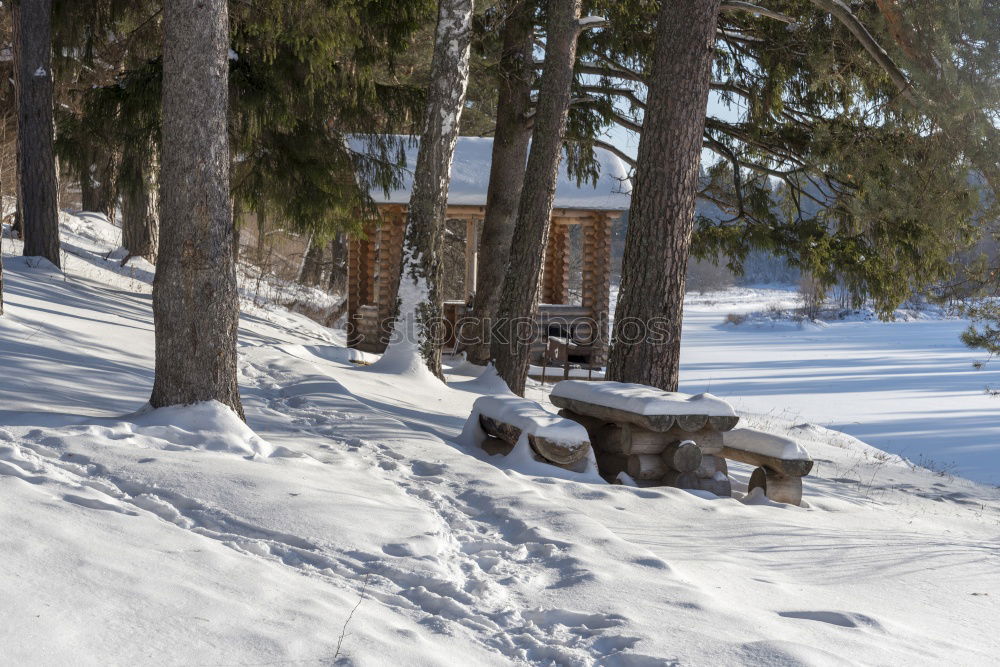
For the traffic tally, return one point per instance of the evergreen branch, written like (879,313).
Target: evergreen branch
(737,6)
(843,14)
(619,153)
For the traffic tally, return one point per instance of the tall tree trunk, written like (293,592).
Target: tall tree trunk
(415,340)
(661,217)
(36,165)
(337,283)
(312,263)
(88,189)
(520,286)
(97,183)
(195,302)
(510,151)
(1,282)
(140,215)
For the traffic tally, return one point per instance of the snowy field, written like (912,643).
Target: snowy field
(907,387)
(350,526)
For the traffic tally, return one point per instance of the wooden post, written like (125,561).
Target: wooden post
(354,254)
(390,258)
(471,256)
(360,280)
(597,278)
(555,272)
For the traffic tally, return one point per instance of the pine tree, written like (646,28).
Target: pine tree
(520,287)
(140,213)
(195,302)
(874,187)
(37,189)
(661,217)
(511,139)
(414,342)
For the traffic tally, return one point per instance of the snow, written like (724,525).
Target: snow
(403,355)
(127,540)
(642,400)
(528,417)
(907,387)
(768,444)
(470,177)
(209,425)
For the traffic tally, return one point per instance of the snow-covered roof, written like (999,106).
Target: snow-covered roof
(470,177)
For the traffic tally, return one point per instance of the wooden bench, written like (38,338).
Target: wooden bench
(657,438)
(648,434)
(781,462)
(504,419)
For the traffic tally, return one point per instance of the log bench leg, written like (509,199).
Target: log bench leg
(779,488)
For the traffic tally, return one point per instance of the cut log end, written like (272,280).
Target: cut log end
(681,480)
(682,456)
(555,451)
(691,422)
(723,423)
(777,487)
(563,453)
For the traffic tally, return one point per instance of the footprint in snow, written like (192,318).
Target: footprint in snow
(426,469)
(95,504)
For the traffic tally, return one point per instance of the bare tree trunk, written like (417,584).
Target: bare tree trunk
(510,151)
(97,190)
(520,286)
(337,283)
(312,264)
(195,302)
(415,339)
(36,166)
(140,215)
(661,217)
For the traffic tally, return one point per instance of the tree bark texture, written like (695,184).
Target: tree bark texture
(419,293)
(97,191)
(520,286)
(140,213)
(36,165)
(312,263)
(661,217)
(338,265)
(510,152)
(195,302)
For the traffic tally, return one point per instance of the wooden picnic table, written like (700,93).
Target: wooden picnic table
(670,439)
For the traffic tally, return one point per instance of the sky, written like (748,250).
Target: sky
(628,141)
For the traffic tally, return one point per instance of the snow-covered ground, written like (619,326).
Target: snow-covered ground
(907,387)
(350,525)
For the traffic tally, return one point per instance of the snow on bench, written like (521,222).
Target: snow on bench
(658,438)
(646,407)
(509,418)
(781,462)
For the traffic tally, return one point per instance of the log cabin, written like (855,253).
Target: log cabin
(374,257)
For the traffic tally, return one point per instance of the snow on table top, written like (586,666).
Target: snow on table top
(767,444)
(642,400)
(530,418)
(470,177)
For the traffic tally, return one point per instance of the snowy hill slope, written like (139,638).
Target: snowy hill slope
(182,537)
